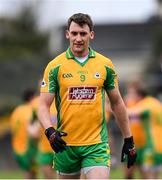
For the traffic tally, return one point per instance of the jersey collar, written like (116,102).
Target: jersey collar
(69,54)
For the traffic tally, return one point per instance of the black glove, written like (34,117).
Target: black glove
(54,137)
(129,151)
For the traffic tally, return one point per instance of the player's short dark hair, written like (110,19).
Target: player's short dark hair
(81,19)
(142,91)
(28,94)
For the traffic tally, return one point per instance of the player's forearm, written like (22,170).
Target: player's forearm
(121,116)
(44,116)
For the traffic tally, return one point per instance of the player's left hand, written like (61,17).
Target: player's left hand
(129,151)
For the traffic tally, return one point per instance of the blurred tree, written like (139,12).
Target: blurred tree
(23,55)
(20,37)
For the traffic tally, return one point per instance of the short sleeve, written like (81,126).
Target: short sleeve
(50,79)
(111,78)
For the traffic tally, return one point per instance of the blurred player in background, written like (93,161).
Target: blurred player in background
(131,99)
(45,152)
(24,145)
(146,124)
(77,79)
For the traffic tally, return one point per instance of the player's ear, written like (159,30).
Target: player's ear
(92,35)
(67,34)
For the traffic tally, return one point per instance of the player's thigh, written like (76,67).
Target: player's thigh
(67,162)
(96,162)
(97,172)
(96,155)
(45,162)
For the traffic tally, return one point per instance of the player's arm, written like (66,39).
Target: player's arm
(121,116)
(119,111)
(54,136)
(45,102)
(138,114)
(34,130)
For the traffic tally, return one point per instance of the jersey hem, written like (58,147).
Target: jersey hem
(85,144)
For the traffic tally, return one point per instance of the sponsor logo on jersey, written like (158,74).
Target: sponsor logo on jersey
(43,84)
(97,75)
(67,75)
(82,93)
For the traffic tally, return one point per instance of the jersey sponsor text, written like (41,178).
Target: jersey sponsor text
(82,93)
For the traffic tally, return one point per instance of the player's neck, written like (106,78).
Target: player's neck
(80,54)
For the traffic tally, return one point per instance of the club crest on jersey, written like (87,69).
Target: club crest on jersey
(43,84)
(97,75)
(82,93)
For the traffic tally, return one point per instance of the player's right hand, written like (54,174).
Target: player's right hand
(54,137)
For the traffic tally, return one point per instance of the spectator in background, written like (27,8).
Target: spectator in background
(146,125)
(24,145)
(77,79)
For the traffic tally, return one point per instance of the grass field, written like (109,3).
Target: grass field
(116,173)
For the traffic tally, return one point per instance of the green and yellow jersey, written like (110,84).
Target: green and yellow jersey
(108,110)
(43,145)
(152,121)
(136,126)
(135,122)
(151,117)
(20,119)
(79,90)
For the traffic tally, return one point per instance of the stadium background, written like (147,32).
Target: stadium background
(134,47)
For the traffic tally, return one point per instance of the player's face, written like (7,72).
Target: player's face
(79,38)
(133,95)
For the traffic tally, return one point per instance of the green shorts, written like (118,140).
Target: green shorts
(140,158)
(26,161)
(45,158)
(76,157)
(144,157)
(158,159)
(148,158)
(151,158)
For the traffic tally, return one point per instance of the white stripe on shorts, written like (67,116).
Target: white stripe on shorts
(62,173)
(85,170)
